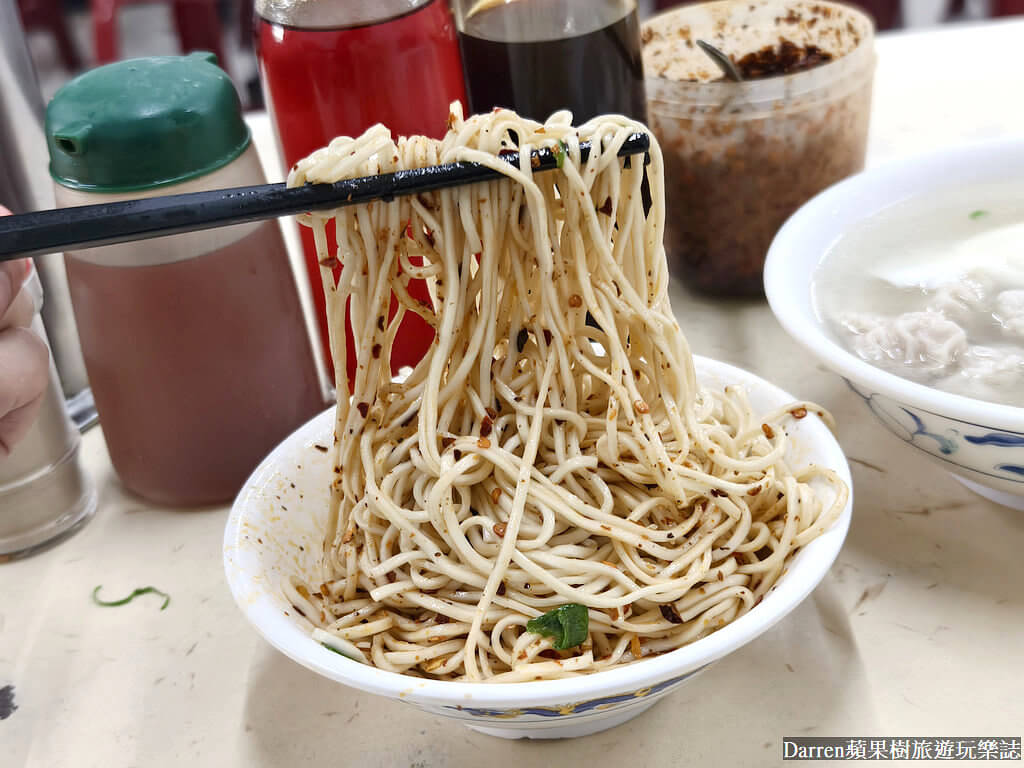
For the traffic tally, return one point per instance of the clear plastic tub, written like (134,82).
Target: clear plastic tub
(741,157)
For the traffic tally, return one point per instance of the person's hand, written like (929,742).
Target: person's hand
(24,358)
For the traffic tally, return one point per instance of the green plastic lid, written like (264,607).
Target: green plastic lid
(143,123)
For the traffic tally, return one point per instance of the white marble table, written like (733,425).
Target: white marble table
(917,630)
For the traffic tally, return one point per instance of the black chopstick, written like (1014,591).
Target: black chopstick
(87,226)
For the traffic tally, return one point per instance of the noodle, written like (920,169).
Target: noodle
(532,459)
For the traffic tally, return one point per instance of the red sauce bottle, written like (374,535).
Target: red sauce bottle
(337,67)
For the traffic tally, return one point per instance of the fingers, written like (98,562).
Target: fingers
(25,365)
(12,275)
(24,358)
(20,313)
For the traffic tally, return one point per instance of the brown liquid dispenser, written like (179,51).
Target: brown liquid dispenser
(195,344)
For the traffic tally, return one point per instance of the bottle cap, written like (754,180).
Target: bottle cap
(144,123)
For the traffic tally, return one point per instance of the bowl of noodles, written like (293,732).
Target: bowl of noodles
(559,515)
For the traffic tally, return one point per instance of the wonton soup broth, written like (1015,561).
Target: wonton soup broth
(933,290)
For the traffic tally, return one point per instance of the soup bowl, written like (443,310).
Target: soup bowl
(275,531)
(980,443)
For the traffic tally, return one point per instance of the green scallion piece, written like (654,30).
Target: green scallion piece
(125,600)
(560,152)
(339,645)
(568,625)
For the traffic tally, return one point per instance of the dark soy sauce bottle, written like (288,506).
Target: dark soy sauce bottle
(540,56)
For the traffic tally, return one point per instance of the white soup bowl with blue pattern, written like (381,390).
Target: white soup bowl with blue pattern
(980,443)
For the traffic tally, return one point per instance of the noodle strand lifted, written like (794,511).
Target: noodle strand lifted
(533,459)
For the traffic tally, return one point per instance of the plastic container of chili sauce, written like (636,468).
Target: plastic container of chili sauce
(741,157)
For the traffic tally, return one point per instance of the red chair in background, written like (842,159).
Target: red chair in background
(887,12)
(197,23)
(49,15)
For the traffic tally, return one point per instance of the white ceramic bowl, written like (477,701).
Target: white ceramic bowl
(981,443)
(275,530)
